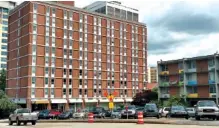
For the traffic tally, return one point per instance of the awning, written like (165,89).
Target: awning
(128,100)
(40,101)
(91,100)
(118,100)
(75,101)
(104,100)
(19,100)
(58,101)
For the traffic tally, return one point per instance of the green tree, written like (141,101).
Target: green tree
(141,98)
(2,79)
(6,106)
(175,101)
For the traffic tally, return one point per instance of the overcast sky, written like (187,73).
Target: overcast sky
(176,29)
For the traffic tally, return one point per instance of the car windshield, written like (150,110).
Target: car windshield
(131,107)
(96,109)
(67,112)
(166,109)
(179,108)
(140,108)
(206,104)
(150,106)
(189,109)
(117,110)
(23,111)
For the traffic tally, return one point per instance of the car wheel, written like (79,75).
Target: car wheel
(18,122)
(10,122)
(33,122)
(158,116)
(25,123)
(187,117)
(168,116)
(197,118)
(217,118)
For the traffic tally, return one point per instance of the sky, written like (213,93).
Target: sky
(176,29)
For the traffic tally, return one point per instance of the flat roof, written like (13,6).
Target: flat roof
(74,8)
(187,59)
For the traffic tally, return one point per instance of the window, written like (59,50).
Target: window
(47,11)
(46,91)
(64,71)
(80,72)
(212,89)
(53,31)
(70,52)
(53,60)
(70,72)
(5,10)
(46,70)
(80,82)
(47,31)
(4,40)
(4,34)
(34,18)
(70,62)
(53,50)
(47,41)
(5,16)
(211,76)
(35,6)
(5,22)
(70,91)
(53,71)
(81,17)
(64,81)
(80,91)
(211,62)
(4,53)
(191,64)
(3,66)
(33,48)
(181,77)
(65,25)
(4,47)
(34,28)
(3,59)
(47,49)
(32,91)
(52,81)
(53,11)
(65,61)
(85,91)
(65,13)
(33,70)
(69,81)
(46,80)
(33,80)
(52,91)
(70,15)
(192,90)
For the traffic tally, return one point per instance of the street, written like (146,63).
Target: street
(101,125)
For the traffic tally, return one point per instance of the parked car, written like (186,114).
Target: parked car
(108,113)
(37,112)
(81,114)
(151,110)
(44,114)
(65,115)
(178,111)
(191,112)
(22,115)
(99,112)
(206,108)
(164,111)
(130,112)
(139,109)
(116,113)
(53,114)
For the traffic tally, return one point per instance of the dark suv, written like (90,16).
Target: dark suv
(178,111)
(99,112)
(151,110)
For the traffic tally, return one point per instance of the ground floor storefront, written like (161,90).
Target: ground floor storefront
(70,104)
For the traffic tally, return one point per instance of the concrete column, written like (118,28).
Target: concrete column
(29,104)
(67,106)
(49,106)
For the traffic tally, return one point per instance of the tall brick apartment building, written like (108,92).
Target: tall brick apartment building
(190,78)
(60,56)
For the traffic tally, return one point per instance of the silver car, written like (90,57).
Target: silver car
(191,112)
(81,114)
(130,111)
(116,113)
(23,115)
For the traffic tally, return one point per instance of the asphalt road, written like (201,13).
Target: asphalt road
(101,125)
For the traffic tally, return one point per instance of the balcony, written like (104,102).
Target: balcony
(164,84)
(173,83)
(192,95)
(164,73)
(192,83)
(181,71)
(212,95)
(181,83)
(211,81)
